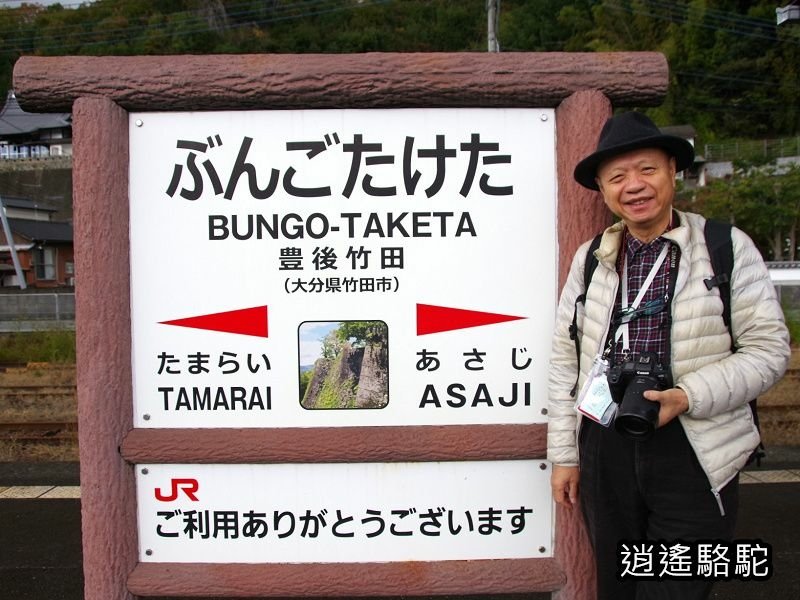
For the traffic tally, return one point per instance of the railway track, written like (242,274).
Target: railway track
(781,416)
(36,393)
(793,373)
(39,431)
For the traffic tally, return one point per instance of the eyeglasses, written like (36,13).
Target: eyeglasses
(653,307)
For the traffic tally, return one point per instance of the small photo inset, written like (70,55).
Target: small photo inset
(343,364)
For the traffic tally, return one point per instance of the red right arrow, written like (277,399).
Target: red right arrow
(435,319)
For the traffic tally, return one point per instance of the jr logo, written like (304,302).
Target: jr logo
(189,487)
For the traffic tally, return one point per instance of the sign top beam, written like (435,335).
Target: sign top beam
(370,80)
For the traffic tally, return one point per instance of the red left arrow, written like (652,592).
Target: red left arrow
(245,321)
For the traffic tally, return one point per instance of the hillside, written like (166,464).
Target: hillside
(732,69)
(357,377)
(48,182)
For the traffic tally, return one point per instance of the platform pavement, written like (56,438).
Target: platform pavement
(40,546)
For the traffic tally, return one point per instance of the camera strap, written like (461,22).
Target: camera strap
(622,330)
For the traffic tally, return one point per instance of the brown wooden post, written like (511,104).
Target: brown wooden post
(100,91)
(102,307)
(581,214)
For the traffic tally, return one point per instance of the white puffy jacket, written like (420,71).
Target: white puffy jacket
(719,384)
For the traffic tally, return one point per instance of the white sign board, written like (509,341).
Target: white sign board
(367,512)
(395,267)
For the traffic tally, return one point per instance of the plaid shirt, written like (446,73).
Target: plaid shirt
(646,333)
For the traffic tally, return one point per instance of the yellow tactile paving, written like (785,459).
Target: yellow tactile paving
(26,491)
(747,478)
(67,492)
(74,492)
(774,476)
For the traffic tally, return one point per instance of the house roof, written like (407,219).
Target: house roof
(26,203)
(14,120)
(685,131)
(42,231)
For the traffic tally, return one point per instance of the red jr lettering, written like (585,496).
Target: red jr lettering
(189,487)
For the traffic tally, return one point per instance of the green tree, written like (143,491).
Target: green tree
(724,73)
(331,345)
(542,25)
(763,201)
(363,332)
(732,72)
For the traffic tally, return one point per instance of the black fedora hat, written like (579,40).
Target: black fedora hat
(631,131)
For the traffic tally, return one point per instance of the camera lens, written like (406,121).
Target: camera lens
(634,427)
(637,417)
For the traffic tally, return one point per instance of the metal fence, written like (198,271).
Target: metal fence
(37,307)
(753,149)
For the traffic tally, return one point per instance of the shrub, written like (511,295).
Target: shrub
(38,346)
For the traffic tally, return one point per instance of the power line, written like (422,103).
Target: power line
(64,4)
(729,108)
(742,80)
(68,36)
(66,31)
(713,20)
(707,13)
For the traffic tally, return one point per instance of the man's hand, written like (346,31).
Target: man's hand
(673,403)
(564,482)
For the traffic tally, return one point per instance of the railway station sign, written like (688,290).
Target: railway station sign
(307,268)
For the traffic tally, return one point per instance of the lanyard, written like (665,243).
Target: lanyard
(622,330)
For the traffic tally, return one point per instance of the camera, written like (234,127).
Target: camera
(637,417)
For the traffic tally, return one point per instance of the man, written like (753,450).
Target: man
(675,478)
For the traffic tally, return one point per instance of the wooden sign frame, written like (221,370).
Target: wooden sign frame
(100,91)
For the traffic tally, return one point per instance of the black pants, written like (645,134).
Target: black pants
(650,490)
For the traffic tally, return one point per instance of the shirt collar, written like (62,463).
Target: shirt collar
(632,245)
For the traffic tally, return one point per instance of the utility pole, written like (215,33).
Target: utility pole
(493,14)
(12,246)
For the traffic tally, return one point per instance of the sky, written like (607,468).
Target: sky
(311,334)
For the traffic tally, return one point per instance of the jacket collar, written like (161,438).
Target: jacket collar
(680,234)
(610,244)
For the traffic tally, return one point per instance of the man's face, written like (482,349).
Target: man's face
(639,187)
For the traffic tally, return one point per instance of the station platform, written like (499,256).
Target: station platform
(40,534)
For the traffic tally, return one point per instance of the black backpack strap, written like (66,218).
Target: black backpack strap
(720,250)
(588,270)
